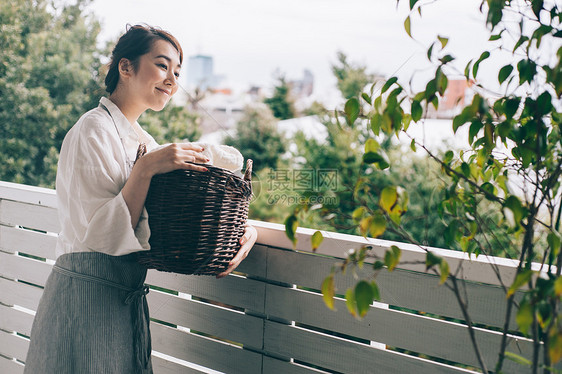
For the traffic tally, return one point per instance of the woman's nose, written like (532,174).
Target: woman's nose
(171,79)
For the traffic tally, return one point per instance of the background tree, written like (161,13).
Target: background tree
(257,137)
(358,182)
(510,175)
(48,78)
(50,74)
(351,78)
(281,103)
(172,124)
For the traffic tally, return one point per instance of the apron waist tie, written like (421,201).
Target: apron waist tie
(141,320)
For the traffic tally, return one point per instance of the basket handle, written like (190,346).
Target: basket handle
(248,172)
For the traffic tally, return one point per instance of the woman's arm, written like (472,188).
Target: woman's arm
(172,157)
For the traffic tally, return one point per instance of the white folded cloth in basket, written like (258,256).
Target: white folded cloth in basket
(223,156)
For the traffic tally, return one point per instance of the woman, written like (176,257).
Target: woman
(93,316)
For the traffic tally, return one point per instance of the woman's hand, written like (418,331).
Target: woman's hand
(247,241)
(163,160)
(172,157)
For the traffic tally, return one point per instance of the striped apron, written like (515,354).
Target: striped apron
(92,318)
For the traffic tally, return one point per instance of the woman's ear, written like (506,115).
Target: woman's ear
(125,67)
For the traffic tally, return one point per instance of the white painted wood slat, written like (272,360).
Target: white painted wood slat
(334,353)
(415,333)
(34,243)
(209,319)
(254,263)
(38,217)
(12,345)
(17,293)
(272,365)
(10,367)
(15,320)
(203,351)
(232,290)
(162,366)
(406,289)
(28,194)
(24,268)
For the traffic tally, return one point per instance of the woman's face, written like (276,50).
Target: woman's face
(155,79)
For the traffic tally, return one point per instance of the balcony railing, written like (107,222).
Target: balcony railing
(269,317)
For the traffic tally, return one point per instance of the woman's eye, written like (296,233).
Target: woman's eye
(177,75)
(163,66)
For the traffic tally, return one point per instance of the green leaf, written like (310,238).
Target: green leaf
(413,145)
(388,197)
(521,279)
(518,359)
(555,345)
(512,203)
(371,145)
(351,110)
(316,240)
(443,41)
(372,157)
(430,52)
(536,5)
(488,188)
(446,59)
(558,286)
(350,302)
(376,291)
(417,110)
(504,73)
(377,226)
(412,3)
(465,168)
(553,241)
(467,69)
(524,317)
(364,297)
(444,271)
(388,83)
(376,121)
(511,106)
(431,260)
(483,56)
(328,291)
(366,97)
(496,37)
(392,257)
(378,265)
(358,213)
(521,40)
(291,224)
(527,70)
(448,157)
(407,26)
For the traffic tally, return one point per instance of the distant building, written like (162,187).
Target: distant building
(457,95)
(200,73)
(303,87)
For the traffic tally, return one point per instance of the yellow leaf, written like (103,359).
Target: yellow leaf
(316,240)
(328,291)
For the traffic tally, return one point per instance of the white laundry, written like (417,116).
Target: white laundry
(224,156)
(221,156)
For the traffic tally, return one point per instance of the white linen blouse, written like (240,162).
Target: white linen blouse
(96,159)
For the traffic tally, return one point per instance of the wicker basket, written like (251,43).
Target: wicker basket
(196,220)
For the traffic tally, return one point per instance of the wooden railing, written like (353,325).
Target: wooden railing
(269,317)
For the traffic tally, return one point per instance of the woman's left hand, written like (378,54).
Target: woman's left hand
(247,241)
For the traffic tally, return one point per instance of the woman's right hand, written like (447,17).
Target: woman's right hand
(172,157)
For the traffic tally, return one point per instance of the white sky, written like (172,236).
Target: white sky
(250,39)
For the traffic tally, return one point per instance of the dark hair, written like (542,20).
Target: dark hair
(136,42)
